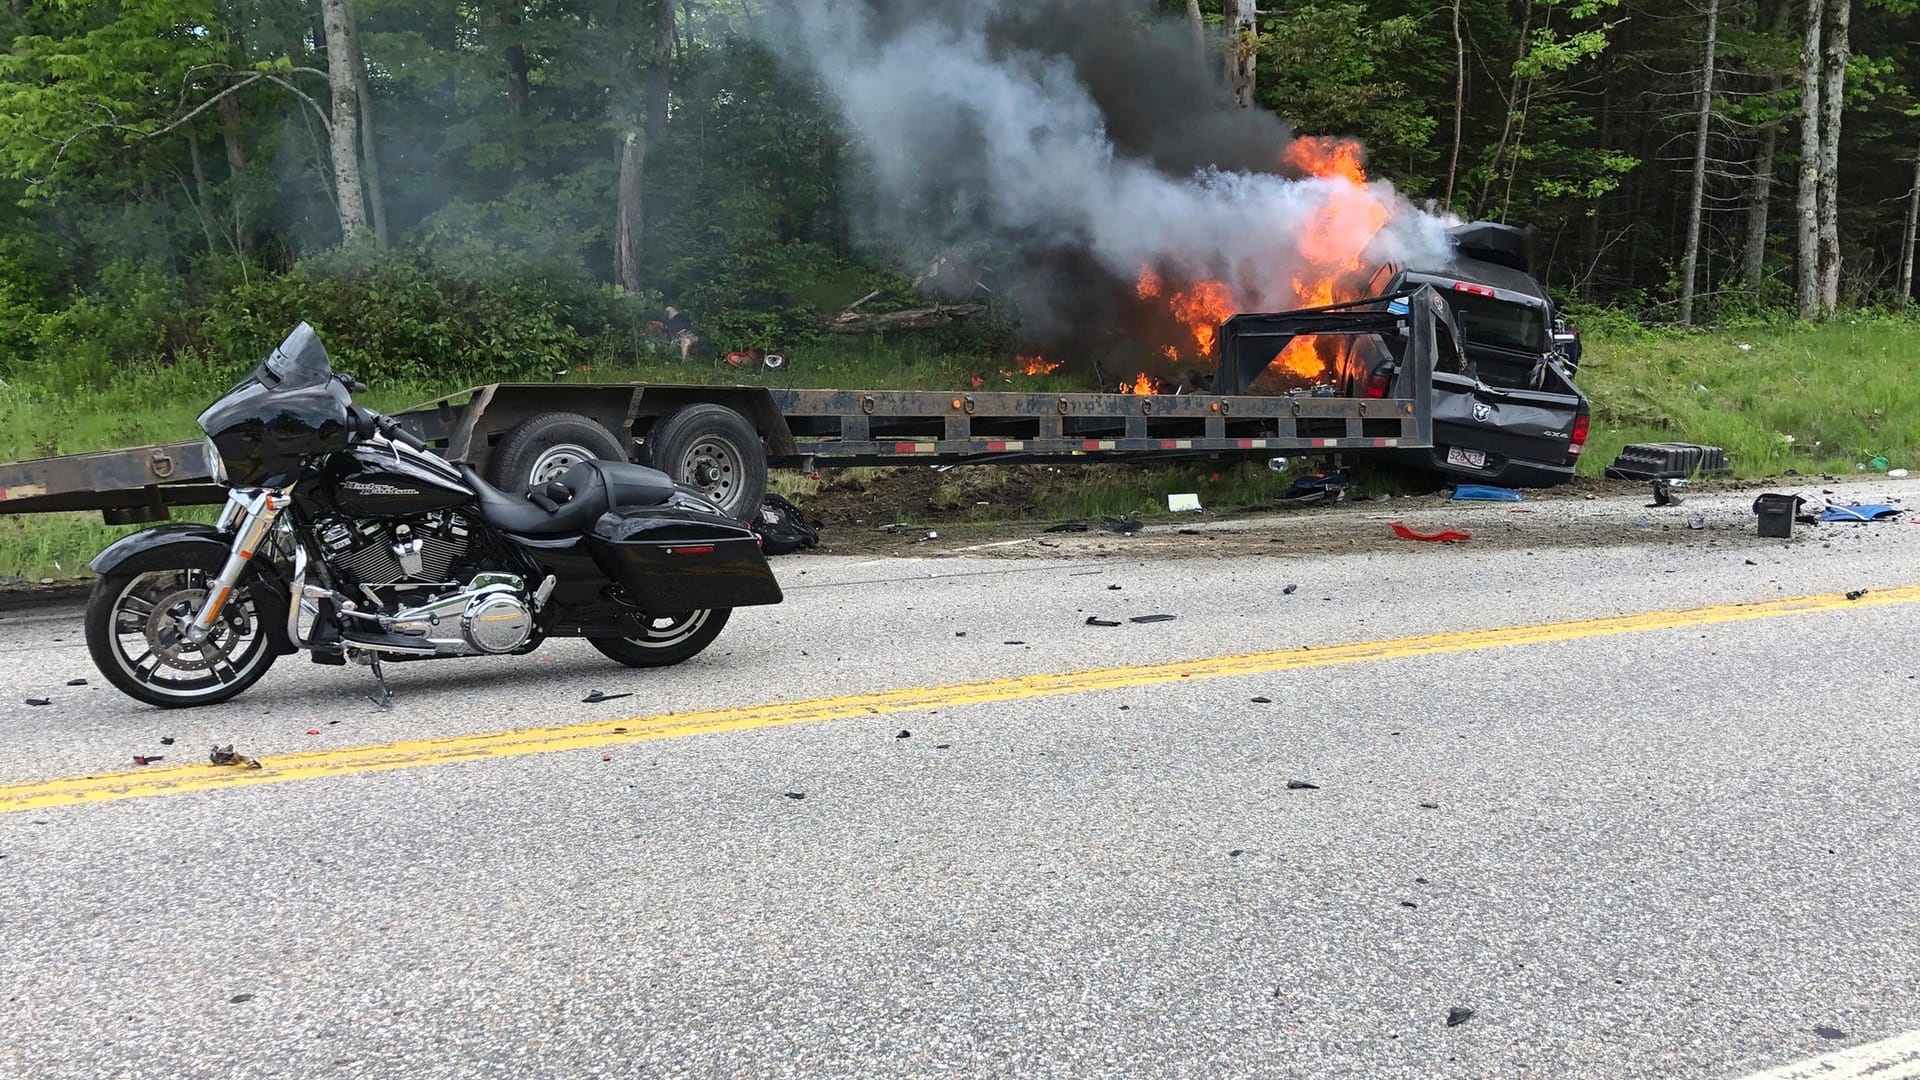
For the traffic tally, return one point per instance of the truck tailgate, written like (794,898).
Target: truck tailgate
(1533,425)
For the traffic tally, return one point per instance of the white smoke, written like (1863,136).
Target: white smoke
(972,135)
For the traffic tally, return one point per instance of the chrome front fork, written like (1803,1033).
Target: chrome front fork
(249,515)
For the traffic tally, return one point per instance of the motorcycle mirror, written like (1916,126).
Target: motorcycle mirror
(353,385)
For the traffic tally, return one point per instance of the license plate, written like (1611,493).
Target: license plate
(1472,459)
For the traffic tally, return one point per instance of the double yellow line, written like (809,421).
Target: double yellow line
(353,761)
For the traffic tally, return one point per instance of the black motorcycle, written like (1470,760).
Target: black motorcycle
(345,535)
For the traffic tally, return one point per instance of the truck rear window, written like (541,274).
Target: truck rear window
(1484,320)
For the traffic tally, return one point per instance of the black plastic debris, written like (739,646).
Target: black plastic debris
(1301,785)
(39,701)
(239,999)
(1664,495)
(166,740)
(904,734)
(1013,643)
(1409,904)
(1429,806)
(1189,532)
(1457,1016)
(1095,620)
(1263,701)
(1421,881)
(596,697)
(1290,590)
(1151,618)
(1236,853)
(147,759)
(76,682)
(1750,562)
(1854,595)
(1317,487)
(796,795)
(943,746)
(1113,588)
(959,633)
(1826,1032)
(224,755)
(1125,526)
(1067,527)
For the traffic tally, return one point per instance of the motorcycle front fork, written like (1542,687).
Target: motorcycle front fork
(249,515)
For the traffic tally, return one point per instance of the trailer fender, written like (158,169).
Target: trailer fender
(196,546)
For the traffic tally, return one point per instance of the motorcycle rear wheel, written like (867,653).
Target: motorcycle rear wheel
(669,640)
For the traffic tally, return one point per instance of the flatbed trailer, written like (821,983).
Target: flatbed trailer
(763,426)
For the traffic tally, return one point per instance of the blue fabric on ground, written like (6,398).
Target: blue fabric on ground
(1485,493)
(1860,512)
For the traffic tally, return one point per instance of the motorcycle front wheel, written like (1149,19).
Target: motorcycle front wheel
(668,640)
(135,627)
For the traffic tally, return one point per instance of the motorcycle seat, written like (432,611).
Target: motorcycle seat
(572,503)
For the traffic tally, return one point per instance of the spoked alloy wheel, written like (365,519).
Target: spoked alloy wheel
(667,639)
(136,630)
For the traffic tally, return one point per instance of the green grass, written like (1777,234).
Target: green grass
(1816,398)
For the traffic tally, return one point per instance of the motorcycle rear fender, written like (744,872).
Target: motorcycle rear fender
(200,547)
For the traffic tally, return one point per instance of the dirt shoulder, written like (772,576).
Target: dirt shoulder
(1585,514)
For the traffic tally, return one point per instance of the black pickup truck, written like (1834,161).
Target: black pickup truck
(1510,412)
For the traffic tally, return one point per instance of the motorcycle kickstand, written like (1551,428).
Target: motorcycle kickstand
(382,697)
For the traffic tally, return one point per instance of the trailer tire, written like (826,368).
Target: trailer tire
(542,447)
(715,451)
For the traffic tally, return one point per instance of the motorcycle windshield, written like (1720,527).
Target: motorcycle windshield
(299,362)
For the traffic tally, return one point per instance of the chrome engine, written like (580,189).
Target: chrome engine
(491,615)
(417,553)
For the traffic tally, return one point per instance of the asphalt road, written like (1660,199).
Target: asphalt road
(1678,846)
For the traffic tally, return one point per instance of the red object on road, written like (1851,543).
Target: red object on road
(1445,536)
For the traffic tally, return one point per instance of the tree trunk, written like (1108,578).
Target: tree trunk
(519,93)
(230,133)
(627,219)
(1240,51)
(369,154)
(660,71)
(1905,294)
(1753,257)
(343,125)
(1833,97)
(1459,102)
(1697,193)
(1806,284)
(1199,28)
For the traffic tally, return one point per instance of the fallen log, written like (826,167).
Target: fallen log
(928,318)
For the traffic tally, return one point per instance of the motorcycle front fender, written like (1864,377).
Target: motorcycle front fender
(200,547)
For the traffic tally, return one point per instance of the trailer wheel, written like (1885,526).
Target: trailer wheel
(542,447)
(713,450)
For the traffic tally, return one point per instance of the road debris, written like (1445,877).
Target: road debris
(1457,1016)
(1444,536)
(1152,618)
(1664,495)
(1828,1032)
(1318,487)
(1301,785)
(1290,590)
(595,697)
(1856,594)
(1263,701)
(166,740)
(1860,512)
(1484,493)
(239,999)
(1067,527)
(904,734)
(1409,904)
(147,759)
(39,701)
(932,534)
(796,795)
(1126,526)
(1113,588)
(1429,806)
(1184,503)
(1095,620)
(1776,513)
(76,682)
(224,755)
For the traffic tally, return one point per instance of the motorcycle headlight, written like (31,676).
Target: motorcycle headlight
(215,467)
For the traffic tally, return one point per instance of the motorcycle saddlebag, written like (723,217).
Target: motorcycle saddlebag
(671,559)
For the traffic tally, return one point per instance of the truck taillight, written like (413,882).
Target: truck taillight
(1377,385)
(1477,290)
(1579,440)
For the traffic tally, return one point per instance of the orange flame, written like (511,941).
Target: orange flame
(1170,352)
(1203,308)
(1301,357)
(1148,286)
(1145,384)
(1038,365)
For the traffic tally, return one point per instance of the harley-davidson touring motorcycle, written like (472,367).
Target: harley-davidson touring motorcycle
(346,536)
